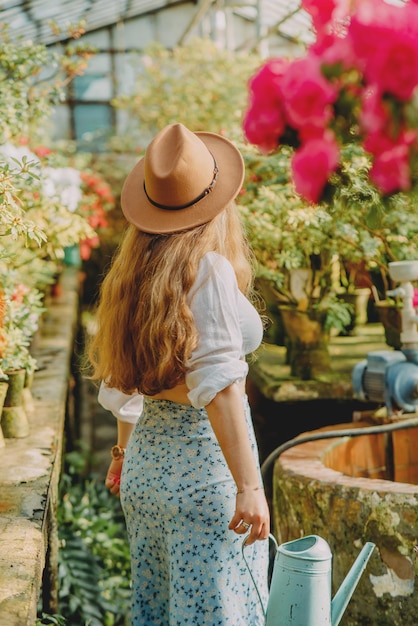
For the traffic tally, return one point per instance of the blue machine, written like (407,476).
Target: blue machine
(391,376)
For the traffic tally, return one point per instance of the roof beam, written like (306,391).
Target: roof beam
(202,9)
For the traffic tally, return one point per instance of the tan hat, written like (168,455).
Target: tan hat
(185,179)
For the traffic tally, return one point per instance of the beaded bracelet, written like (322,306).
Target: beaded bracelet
(254,489)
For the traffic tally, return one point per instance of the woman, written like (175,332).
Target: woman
(174,326)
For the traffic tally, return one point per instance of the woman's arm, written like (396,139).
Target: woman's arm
(112,481)
(227,417)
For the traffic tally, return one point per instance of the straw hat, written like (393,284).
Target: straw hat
(185,179)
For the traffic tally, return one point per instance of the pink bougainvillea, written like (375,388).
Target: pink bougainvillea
(357,83)
(313,163)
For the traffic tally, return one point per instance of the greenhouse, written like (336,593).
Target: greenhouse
(209,312)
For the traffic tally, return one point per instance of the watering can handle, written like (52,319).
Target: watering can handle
(273,540)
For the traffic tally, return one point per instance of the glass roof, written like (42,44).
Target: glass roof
(30,18)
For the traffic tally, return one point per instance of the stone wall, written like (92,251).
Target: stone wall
(314,494)
(31,466)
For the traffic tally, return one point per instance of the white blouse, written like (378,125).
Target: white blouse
(228,328)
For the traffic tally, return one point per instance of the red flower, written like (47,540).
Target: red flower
(312,165)
(42,151)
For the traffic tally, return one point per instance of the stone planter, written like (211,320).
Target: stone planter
(14,420)
(307,344)
(353,490)
(27,398)
(3,390)
(359,300)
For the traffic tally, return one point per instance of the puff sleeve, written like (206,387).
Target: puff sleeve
(126,408)
(217,361)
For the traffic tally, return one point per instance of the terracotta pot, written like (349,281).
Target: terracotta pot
(14,420)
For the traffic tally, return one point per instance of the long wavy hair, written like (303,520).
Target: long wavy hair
(145,328)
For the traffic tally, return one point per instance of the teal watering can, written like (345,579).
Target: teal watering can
(300,589)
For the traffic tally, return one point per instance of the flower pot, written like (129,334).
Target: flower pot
(72,256)
(391,318)
(274,332)
(307,344)
(3,390)
(14,420)
(27,398)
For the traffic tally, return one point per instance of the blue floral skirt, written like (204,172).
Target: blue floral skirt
(178,498)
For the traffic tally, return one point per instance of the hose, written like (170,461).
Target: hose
(267,465)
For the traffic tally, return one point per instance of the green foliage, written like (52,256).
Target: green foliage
(197,84)
(94,564)
(28,91)
(370,228)
(59,620)
(354,226)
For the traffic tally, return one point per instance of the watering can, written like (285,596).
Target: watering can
(300,589)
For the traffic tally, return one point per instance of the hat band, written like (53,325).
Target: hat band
(204,193)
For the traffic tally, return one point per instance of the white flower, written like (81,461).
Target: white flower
(64,184)
(17,152)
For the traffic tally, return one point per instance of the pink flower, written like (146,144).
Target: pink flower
(312,165)
(385,39)
(263,126)
(264,120)
(390,171)
(334,50)
(326,14)
(308,94)
(265,86)
(321,12)
(373,116)
(381,141)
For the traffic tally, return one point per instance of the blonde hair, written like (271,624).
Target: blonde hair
(145,330)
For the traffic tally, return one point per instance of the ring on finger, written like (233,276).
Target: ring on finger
(245,525)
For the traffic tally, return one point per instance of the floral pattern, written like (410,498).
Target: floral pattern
(178,497)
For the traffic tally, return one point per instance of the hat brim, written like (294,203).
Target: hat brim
(148,218)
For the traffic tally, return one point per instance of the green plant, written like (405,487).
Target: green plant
(355,226)
(170,89)
(94,563)
(292,240)
(59,620)
(29,88)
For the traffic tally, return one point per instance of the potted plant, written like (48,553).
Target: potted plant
(15,361)
(349,118)
(21,309)
(297,261)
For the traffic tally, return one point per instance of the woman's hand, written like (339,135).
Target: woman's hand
(251,515)
(112,481)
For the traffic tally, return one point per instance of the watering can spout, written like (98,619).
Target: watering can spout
(344,593)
